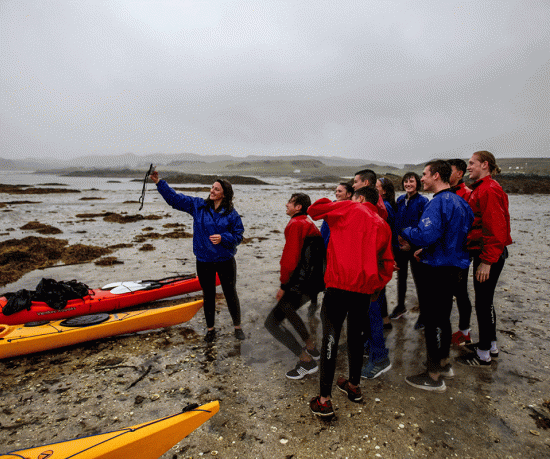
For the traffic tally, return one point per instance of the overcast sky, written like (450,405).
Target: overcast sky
(396,81)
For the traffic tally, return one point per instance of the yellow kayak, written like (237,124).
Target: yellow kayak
(145,441)
(36,337)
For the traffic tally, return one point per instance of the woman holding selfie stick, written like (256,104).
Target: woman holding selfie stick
(217,231)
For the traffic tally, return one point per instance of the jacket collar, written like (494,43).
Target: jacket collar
(480,181)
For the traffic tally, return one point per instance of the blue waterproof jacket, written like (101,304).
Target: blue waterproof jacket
(443,230)
(206,222)
(325,232)
(391,222)
(409,211)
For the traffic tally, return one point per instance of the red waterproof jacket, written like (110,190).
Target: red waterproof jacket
(462,190)
(298,228)
(490,232)
(359,253)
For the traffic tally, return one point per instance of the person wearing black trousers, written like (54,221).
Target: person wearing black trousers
(217,231)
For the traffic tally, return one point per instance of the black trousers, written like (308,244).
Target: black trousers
(402,259)
(484,295)
(437,286)
(463,302)
(337,305)
(227,272)
(286,309)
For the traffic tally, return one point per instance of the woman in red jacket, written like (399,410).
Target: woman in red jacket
(487,242)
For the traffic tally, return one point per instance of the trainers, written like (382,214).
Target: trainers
(460,339)
(314,353)
(210,336)
(397,314)
(425,382)
(321,409)
(473,360)
(447,371)
(418,325)
(353,394)
(301,369)
(372,370)
(239,334)
(475,346)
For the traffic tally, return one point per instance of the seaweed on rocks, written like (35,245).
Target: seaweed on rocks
(41,228)
(113,217)
(20,256)
(27,189)
(108,261)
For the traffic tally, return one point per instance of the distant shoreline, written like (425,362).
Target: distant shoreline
(512,183)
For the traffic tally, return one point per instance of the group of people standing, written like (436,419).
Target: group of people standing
(366,234)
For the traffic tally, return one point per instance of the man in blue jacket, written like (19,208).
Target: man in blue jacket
(441,236)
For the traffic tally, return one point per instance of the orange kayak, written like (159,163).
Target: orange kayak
(145,441)
(29,338)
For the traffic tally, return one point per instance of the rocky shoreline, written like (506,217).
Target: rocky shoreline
(495,412)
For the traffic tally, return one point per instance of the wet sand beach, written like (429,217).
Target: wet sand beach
(502,411)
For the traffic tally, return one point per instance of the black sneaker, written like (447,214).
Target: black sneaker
(210,336)
(397,314)
(447,371)
(321,409)
(302,368)
(425,382)
(473,360)
(239,334)
(475,346)
(314,353)
(353,394)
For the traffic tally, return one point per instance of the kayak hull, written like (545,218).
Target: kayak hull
(99,301)
(146,441)
(18,340)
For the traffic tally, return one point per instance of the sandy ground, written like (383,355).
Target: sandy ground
(96,387)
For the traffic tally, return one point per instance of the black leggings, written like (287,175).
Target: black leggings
(337,304)
(286,309)
(227,272)
(463,301)
(485,309)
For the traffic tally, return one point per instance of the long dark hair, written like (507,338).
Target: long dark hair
(227,200)
(389,191)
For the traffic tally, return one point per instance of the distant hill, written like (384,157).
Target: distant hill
(189,162)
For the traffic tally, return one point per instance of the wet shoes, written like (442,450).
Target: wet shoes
(473,360)
(239,334)
(460,339)
(475,346)
(372,370)
(447,371)
(302,369)
(321,409)
(425,382)
(210,336)
(353,394)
